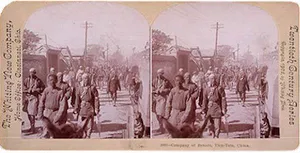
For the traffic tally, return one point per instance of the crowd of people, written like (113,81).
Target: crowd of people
(78,91)
(206,91)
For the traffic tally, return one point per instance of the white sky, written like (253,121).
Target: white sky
(243,24)
(63,25)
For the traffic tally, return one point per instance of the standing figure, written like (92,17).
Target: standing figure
(193,94)
(53,104)
(230,78)
(241,87)
(161,89)
(72,77)
(195,77)
(214,105)
(66,77)
(209,72)
(179,105)
(64,86)
(79,72)
(263,89)
(128,79)
(136,94)
(113,86)
(201,86)
(87,103)
(32,89)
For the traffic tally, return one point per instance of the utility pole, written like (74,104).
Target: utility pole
(86,26)
(107,52)
(46,40)
(248,48)
(217,26)
(176,42)
(237,52)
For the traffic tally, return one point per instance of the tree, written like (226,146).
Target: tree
(247,59)
(116,58)
(225,50)
(30,40)
(95,50)
(160,41)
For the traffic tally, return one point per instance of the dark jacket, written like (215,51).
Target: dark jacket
(114,84)
(242,84)
(85,102)
(214,101)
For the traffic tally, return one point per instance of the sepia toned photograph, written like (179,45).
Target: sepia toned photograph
(97,75)
(215,72)
(86,72)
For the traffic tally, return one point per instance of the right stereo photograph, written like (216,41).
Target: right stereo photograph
(214,72)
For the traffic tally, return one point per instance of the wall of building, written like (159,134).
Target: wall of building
(35,61)
(168,63)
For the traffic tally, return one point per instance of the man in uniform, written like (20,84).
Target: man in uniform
(87,103)
(193,94)
(113,86)
(53,104)
(179,105)
(63,86)
(241,86)
(161,89)
(32,89)
(214,105)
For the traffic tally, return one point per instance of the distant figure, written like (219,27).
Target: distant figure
(241,87)
(52,70)
(32,89)
(209,72)
(66,77)
(113,86)
(72,77)
(128,79)
(181,72)
(195,77)
(79,72)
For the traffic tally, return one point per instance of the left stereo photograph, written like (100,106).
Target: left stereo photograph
(86,73)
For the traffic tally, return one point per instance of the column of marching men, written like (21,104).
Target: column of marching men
(78,91)
(206,91)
